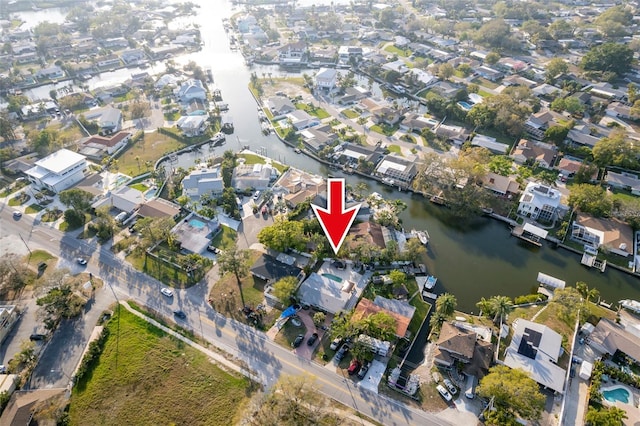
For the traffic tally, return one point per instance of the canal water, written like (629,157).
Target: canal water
(470,261)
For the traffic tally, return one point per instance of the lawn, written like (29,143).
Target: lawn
(480,81)
(313,110)
(396,51)
(288,334)
(140,187)
(256,159)
(38,256)
(224,238)
(349,113)
(395,149)
(160,270)
(33,208)
(133,161)
(158,380)
(384,129)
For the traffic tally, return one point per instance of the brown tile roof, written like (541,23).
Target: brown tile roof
(369,232)
(616,232)
(482,357)
(460,343)
(366,308)
(109,142)
(159,208)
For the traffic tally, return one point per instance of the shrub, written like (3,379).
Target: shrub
(92,355)
(529,298)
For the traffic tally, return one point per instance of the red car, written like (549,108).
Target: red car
(354,367)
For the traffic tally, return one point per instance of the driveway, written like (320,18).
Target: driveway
(305,351)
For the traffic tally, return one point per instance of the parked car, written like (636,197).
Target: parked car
(42,266)
(298,340)
(342,352)
(445,393)
(312,339)
(354,367)
(81,261)
(166,291)
(36,337)
(17,214)
(256,195)
(450,386)
(180,314)
(363,370)
(336,342)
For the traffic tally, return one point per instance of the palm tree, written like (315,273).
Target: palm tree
(446,305)
(485,306)
(501,306)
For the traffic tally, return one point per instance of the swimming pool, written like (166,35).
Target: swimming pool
(333,277)
(464,105)
(197,223)
(614,394)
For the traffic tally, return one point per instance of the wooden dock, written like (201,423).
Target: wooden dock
(429,295)
(519,232)
(592,262)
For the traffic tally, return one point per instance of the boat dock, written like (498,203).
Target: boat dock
(592,262)
(530,233)
(429,295)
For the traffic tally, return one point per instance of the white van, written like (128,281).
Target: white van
(470,387)
(121,217)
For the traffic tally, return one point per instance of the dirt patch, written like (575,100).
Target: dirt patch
(278,87)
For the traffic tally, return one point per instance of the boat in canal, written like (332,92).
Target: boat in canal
(423,236)
(430,283)
(632,305)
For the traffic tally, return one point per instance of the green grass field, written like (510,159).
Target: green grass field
(158,381)
(225,238)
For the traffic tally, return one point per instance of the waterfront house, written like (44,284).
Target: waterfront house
(280,106)
(301,119)
(539,202)
(191,89)
(197,107)
(614,235)
(501,185)
(347,52)
(192,125)
(532,152)
(96,147)
(204,180)
(132,55)
(292,53)
(317,138)
(626,181)
(331,290)
(326,79)
(253,176)
(351,153)
(353,95)
(396,170)
(165,80)
(370,233)
(58,171)
(365,308)
(608,337)
(458,344)
(245,22)
(296,186)
(535,349)
(397,66)
(108,119)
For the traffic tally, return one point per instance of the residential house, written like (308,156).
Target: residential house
(386,115)
(446,89)
(159,207)
(568,167)
(253,176)
(293,53)
(126,199)
(619,110)
(370,233)
(58,171)
(539,202)
(490,143)
(193,125)
(517,80)
(535,349)
(280,106)
(272,270)
(627,181)
(191,89)
(114,43)
(326,79)
(352,153)
(96,147)
(169,80)
(540,121)
(456,135)
(608,338)
(422,76)
(366,308)
(132,55)
(578,138)
(353,95)
(532,152)
(398,66)
(512,65)
(501,185)
(608,91)
(396,170)
(8,317)
(547,91)
(458,344)
(245,22)
(613,234)
(197,107)
(108,119)
(50,73)
(489,73)
(331,293)
(296,186)
(416,123)
(347,52)
(204,180)
(109,61)
(319,137)
(300,119)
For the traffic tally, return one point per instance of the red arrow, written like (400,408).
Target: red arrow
(335,220)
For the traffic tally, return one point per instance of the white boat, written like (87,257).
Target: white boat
(431,282)
(632,305)
(423,236)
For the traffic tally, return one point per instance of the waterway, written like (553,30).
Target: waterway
(470,261)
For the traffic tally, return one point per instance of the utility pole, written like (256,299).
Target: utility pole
(118,322)
(25,243)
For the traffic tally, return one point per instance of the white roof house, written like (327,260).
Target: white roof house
(330,292)
(535,348)
(192,125)
(255,176)
(490,143)
(624,180)
(300,119)
(58,171)
(191,89)
(127,198)
(202,181)
(326,78)
(539,201)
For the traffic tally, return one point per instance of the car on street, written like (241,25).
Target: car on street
(17,214)
(81,261)
(363,370)
(36,337)
(166,291)
(342,352)
(298,340)
(180,314)
(445,393)
(354,367)
(450,386)
(336,342)
(312,339)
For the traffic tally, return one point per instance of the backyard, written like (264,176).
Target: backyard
(158,371)
(140,157)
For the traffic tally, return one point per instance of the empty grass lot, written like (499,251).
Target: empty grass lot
(133,161)
(159,381)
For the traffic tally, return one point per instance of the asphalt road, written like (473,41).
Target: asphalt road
(266,358)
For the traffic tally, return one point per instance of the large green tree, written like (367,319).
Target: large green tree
(284,288)
(616,150)
(605,416)
(283,234)
(591,199)
(555,67)
(514,395)
(613,57)
(77,199)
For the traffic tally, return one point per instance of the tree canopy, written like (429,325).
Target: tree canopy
(284,288)
(605,57)
(616,150)
(235,261)
(514,395)
(591,199)
(283,234)
(77,199)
